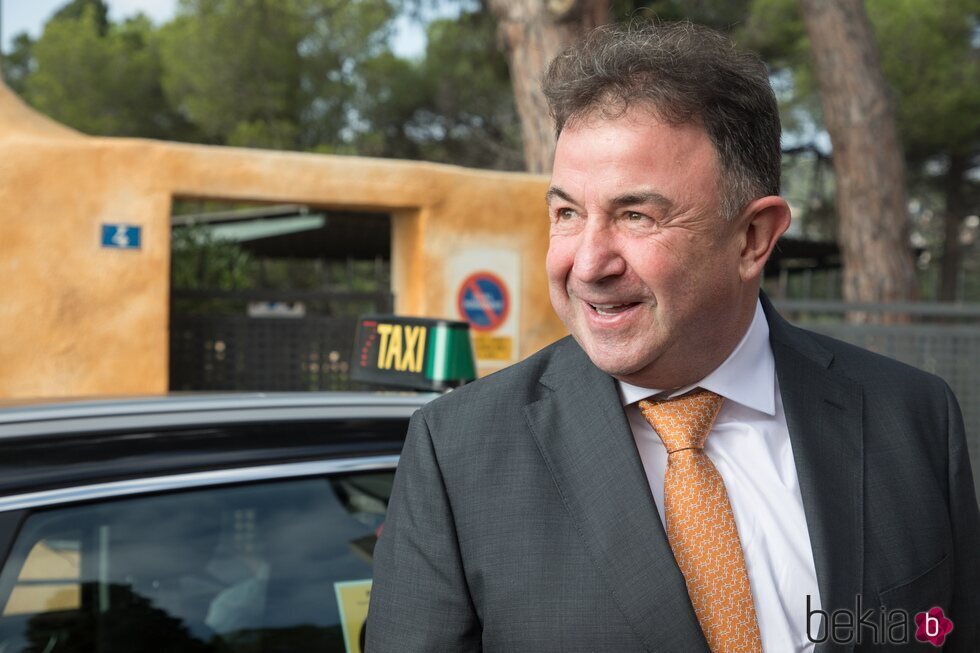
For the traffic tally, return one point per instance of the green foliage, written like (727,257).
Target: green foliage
(455,105)
(232,69)
(471,99)
(202,262)
(930,60)
(271,73)
(104,84)
(18,63)
(928,55)
(309,75)
(76,10)
(774,29)
(719,14)
(343,37)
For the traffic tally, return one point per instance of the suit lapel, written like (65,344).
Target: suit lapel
(824,416)
(584,438)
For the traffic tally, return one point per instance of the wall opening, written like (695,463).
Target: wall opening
(266,297)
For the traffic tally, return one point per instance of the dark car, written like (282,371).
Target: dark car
(240,523)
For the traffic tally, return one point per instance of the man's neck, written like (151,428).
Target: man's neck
(752,359)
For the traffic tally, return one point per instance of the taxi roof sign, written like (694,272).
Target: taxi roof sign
(412,352)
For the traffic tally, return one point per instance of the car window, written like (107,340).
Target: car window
(267,567)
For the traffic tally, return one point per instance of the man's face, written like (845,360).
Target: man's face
(642,267)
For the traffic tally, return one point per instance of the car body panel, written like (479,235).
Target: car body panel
(129,494)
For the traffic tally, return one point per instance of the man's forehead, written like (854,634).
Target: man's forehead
(620,143)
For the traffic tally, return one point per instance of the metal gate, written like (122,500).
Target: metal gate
(237,352)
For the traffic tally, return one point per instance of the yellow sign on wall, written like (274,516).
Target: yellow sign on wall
(493,348)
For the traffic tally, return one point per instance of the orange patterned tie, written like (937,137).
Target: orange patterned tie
(700,525)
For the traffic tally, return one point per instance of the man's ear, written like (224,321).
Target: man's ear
(761,223)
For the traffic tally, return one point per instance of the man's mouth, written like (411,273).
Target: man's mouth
(611,309)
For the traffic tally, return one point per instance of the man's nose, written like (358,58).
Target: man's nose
(598,256)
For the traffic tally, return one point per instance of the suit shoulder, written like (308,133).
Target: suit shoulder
(510,387)
(485,420)
(871,368)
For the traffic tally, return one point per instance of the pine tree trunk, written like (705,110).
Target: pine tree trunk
(956,209)
(873,230)
(534,32)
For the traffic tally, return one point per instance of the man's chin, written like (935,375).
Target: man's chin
(613,361)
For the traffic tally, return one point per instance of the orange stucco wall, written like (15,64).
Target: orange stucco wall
(79,319)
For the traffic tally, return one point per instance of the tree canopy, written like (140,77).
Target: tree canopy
(306,75)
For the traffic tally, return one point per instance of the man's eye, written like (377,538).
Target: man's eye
(633,216)
(565,214)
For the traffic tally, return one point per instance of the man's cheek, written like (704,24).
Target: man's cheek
(558,264)
(559,300)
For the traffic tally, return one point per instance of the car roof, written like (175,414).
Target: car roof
(63,416)
(51,445)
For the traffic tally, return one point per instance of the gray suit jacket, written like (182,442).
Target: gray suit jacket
(521,518)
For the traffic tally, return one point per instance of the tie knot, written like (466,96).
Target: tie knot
(684,422)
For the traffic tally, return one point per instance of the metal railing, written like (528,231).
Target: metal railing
(220,347)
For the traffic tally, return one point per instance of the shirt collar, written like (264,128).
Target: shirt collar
(748,375)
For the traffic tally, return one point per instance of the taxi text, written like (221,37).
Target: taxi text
(401,347)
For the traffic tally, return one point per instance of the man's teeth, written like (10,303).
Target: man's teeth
(610,309)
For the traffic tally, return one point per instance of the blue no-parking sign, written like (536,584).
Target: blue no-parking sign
(483,301)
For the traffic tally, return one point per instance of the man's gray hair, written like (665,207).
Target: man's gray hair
(684,73)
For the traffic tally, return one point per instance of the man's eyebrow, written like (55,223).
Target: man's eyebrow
(632,198)
(642,197)
(554,192)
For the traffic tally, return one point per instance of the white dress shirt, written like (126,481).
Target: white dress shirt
(749,445)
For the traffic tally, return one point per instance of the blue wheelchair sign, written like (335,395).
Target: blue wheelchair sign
(121,236)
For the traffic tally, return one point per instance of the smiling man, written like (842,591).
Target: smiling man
(687,471)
